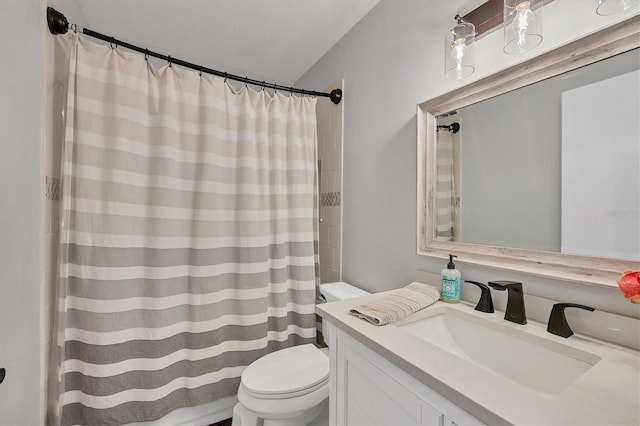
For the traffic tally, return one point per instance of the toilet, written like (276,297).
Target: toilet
(289,386)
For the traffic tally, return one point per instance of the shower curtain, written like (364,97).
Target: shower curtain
(188,243)
(445,196)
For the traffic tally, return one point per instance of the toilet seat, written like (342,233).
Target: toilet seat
(287,373)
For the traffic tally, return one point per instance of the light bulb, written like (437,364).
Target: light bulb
(523,20)
(459,47)
(457,54)
(522,25)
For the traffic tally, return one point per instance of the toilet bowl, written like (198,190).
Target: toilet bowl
(289,386)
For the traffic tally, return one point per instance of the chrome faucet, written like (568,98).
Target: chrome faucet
(515,300)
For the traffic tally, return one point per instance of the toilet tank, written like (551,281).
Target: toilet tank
(338,291)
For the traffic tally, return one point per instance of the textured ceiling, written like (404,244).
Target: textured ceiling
(273,40)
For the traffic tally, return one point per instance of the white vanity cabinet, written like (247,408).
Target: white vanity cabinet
(399,375)
(366,389)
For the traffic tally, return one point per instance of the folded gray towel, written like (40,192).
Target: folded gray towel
(398,304)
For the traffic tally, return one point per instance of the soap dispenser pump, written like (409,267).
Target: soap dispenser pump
(450,292)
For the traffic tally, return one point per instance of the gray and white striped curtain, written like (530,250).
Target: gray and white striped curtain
(445,196)
(189,235)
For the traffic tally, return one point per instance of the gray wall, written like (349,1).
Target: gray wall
(510,173)
(392,61)
(20,123)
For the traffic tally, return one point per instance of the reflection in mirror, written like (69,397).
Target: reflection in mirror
(447,197)
(553,166)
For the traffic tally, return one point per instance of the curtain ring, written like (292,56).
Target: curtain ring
(146,55)
(169,60)
(246,81)
(74,28)
(113,43)
(225,77)
(201,70)
(263,85)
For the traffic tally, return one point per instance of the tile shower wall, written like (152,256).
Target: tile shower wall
(330,120)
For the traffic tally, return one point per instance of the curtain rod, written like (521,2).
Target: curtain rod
(58,24)
(453,127)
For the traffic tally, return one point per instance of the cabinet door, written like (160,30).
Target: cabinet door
(367,389)
(374,398)
(431,416)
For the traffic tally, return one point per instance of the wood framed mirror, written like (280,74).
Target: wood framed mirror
(558,262)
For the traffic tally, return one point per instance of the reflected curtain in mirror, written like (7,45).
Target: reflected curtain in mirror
(445,189)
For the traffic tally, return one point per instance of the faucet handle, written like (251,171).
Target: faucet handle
(558,324)
(485,303)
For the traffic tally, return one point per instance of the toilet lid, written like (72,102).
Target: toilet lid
(288,372)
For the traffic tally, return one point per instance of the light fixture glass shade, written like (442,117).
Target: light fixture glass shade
(459,51)
(611,7)
(522,25)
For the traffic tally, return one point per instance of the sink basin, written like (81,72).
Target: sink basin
(544,366)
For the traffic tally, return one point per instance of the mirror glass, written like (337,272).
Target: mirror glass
(553,166)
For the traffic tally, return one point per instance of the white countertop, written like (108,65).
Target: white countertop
(607,394)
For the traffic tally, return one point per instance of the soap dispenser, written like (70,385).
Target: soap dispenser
(450,292)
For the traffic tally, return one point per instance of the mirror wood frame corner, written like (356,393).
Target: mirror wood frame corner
(610,41)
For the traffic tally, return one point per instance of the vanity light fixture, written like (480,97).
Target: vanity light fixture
(611,7)
(459,50)
(522,25)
